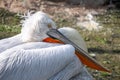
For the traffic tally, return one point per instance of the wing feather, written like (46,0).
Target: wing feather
(34,64)
(10,42)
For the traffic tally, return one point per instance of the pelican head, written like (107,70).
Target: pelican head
(34,28)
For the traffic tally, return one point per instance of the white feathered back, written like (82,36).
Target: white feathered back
(10,42)
(34,64)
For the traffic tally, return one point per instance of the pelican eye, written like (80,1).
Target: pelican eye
(49,26)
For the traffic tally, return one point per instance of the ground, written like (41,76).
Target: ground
(105,44)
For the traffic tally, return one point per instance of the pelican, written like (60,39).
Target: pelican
(31,56)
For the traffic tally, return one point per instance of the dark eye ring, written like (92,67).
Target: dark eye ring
(49,26)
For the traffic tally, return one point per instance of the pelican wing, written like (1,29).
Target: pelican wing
(10,42)
(34,64)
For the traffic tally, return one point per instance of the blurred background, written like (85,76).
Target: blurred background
(98,21)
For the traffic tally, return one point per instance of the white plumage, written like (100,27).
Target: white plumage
(34,64)
(36,26)
(41,61)
(10,42)
(22,57)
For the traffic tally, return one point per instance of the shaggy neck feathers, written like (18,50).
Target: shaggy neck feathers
(35,27)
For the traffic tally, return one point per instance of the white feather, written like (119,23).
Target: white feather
(35,64)
(29,62)
(36,26)
(10,42)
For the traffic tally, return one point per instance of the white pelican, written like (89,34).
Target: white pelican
(24,57)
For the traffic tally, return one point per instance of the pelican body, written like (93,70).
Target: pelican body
(41,61)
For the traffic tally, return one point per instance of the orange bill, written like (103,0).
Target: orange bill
(90,63)
(57,37)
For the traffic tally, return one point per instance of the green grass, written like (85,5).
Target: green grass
(7,30)
(9,23)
